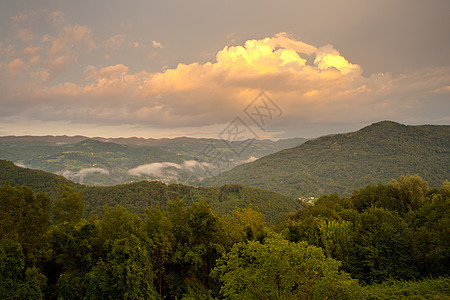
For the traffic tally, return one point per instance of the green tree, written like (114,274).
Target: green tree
(75,249)
(198,244)
(119,223)
(126,273)
(381,247)
(279,269)
(373,196)
(69,207)
(409,192)
(17,281)
(249,222)
(24,217)
(431,233)
(159,230)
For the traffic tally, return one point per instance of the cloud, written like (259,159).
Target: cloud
(168,170)
(15,66)
(115,40)
(250,159)
(45,44)
(25,35)
(80,175)
(192,165)
(156,44)
(31,51)
(71,36)
(57,18)
(20,165)
(312,85)
(153,169)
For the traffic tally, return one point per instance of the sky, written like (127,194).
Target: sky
(233,69)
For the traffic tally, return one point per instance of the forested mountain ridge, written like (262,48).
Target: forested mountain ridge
(138,196)
(39,181)
(345,162)
(108,161)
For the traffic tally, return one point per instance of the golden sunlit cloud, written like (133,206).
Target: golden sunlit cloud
(311,84)
(156,44)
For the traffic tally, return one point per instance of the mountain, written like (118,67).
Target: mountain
(87,161)
(39,181)
(103,161)
(138,196)
(345,162)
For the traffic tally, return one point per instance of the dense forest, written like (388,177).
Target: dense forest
(137,196)
(383,242)
(345,162)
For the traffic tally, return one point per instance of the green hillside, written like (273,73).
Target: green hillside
(70,158)
(345,162)
(39,181)
(101,161)
(140,195)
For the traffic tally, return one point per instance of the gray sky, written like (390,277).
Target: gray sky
(174,68)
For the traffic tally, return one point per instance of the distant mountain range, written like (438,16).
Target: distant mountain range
(103,161)
(138,196)
(345,162)
(335,163)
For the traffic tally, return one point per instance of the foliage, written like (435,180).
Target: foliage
(431,233)
(126,272)
(345,162)
(279,269)
(69,207)
(17,281)
(24,217)
(184,249)
(138,196)
(392,231)
(438,288)
(37,180)
(381,247)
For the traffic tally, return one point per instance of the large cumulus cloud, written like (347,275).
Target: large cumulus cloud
(312,85)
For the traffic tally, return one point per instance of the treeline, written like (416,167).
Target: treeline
(364,246)
(137,196)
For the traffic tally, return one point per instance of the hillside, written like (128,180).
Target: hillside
(39,181)
(345,162)
(140,195)
(102,161)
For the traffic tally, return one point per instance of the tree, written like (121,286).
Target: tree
(372,196)
(75,249)
(431,233)
(198,245)
(159,230)
(126,273)
(409,192)
(24,217)
(247,224)
(279,269)
(381,248)
(69,207)
(17,281)
(120,223)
